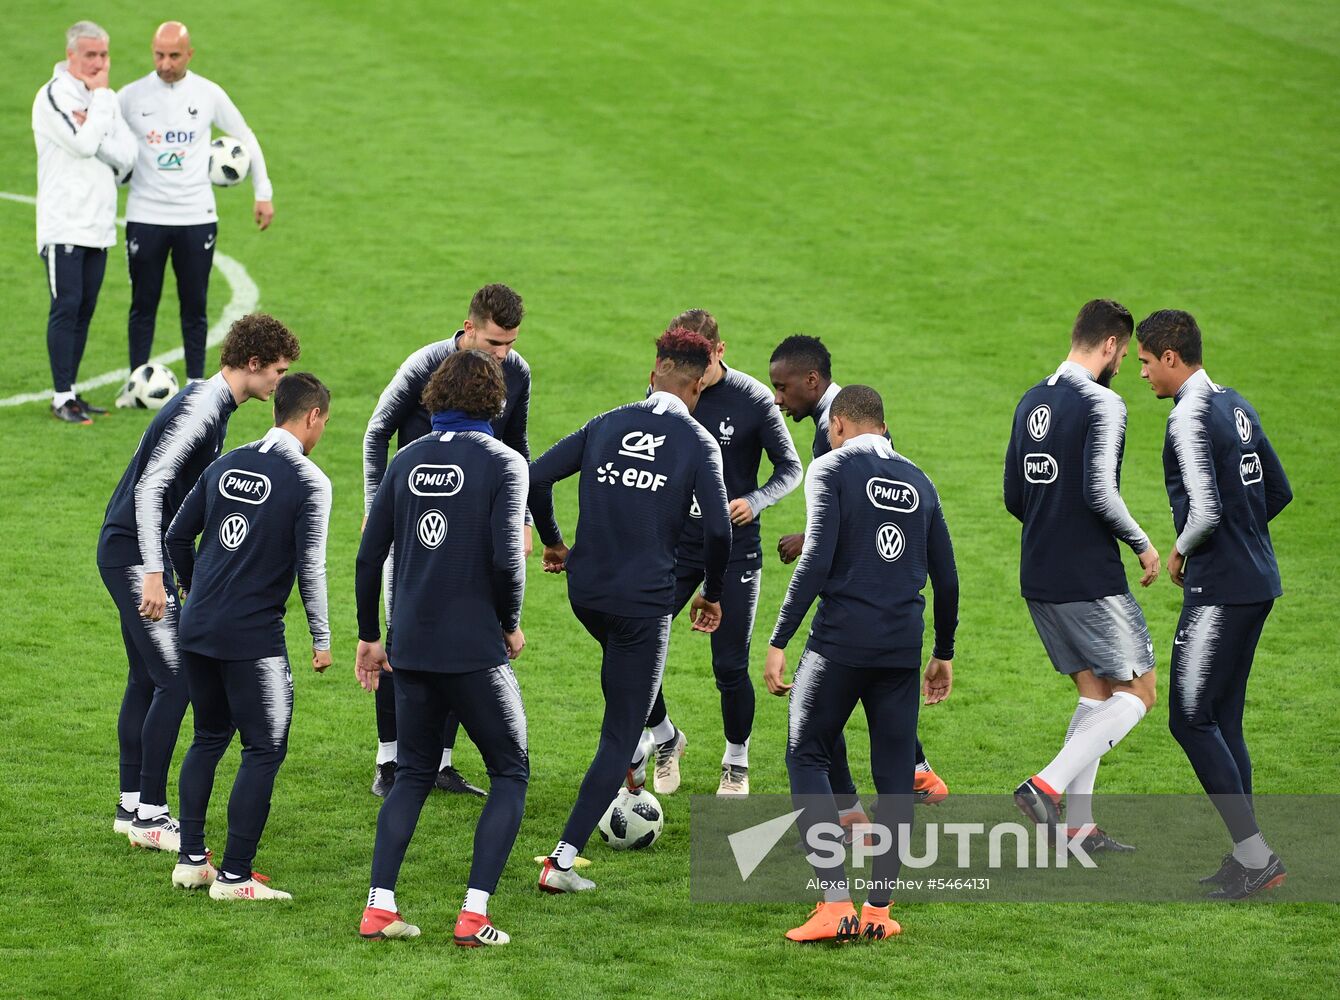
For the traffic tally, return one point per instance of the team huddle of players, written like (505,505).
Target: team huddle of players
(669,504)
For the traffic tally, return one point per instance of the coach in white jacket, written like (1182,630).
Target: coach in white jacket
(170,209)
(83,146)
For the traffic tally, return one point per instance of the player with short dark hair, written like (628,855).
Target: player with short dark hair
(1225,484)
(261,514)
(739,412)
(453,503)
(641,465)
(874,531)
(801,371)
(183,438)
(1062,481)
(491,325)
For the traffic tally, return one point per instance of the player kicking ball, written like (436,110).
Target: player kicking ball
(261,513)
(454,505)
(874,531)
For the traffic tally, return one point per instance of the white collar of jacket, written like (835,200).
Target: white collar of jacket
(1198,382)
(826,400)
(869,441)
(171,86)
(662,401)
(277,437)
(1075,368)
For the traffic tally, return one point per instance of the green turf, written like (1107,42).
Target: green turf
(934,189)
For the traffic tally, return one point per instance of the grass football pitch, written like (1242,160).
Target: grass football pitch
(934,189)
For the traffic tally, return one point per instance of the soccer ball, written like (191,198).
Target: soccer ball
(633,820)
(229,161)
(150,386)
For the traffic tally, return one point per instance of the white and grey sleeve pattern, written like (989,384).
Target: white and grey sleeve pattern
(787,472)
(313,522)
(397,401)
(1191,443)
(816,557)
(1103,444)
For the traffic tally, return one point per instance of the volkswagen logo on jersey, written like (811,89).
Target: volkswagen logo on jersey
(890,494)
(436,480)
(1039,422)
(233,531)
(1244,425)
(432,529)
(889,541)
(640,444)
(248,487)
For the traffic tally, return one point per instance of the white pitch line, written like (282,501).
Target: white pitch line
(245,297)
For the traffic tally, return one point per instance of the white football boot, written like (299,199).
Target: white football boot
(734,781)
(162,833)
(666,779)
(555,880)
(252,889)
(187,876)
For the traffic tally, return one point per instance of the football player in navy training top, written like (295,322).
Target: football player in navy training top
(642,466)
(738,411)
(261,513)
(874,530)
(1062,480)
(1225,485)
(453,503)
(183,438)
(491,325)
(801,371)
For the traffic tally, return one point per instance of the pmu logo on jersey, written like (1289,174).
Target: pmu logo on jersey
(171,159)
(889,541)
(1039,468)
(249,487)
(1249,468)
(233,531)
(1039,422)
(436,480)
(432,528)
(1243,424)
(641,445)
(891,494)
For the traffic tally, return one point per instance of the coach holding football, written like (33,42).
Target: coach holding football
(83,145)
(170,209)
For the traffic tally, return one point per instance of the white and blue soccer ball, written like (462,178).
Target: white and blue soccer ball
(634,820)
(149,387)
(229,161)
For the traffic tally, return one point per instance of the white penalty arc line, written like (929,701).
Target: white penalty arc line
(244,300)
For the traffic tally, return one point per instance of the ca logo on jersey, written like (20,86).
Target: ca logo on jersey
(1039,422)
(640,444)
(248,487)
(172,159)
(1040,468)
(1243,424)
(890,494)
(889,541)
(233,531)
(436,480)
(432,528)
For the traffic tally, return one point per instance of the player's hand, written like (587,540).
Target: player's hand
(1176,566)
(704,614)
(515,641)
(79,116)
(153,598)
(100,79)
(1149,562)
(264,214)
(938,681)
(789,547)
(320,660)
(527,541)
(555,558)
(369,663)
(774,669)
(740,512)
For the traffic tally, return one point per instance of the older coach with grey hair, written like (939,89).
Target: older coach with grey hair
(83,147)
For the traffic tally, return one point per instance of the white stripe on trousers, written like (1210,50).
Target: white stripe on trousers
(51,268)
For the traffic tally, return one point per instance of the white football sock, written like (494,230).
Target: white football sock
(736,754)
(386,752)
(564,855)
(664,731)
(446,758)
(130,801)
(924,766)
(147,812)
(644,749)
(1252,852)
(59,399)
(476,901)
(1079,793)
(1101,730)
(382,899)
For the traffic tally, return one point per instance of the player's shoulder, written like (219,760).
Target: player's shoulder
(749,387)
(135,89)
(515,362)
(426,359)
(505,458)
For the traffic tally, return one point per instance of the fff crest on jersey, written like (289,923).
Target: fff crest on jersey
(889,541)
(1039,422)
(233,531)
(248,487)
(1243,424)
(436,480)
(432,528)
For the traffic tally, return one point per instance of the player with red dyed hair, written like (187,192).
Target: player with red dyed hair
(641,466)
